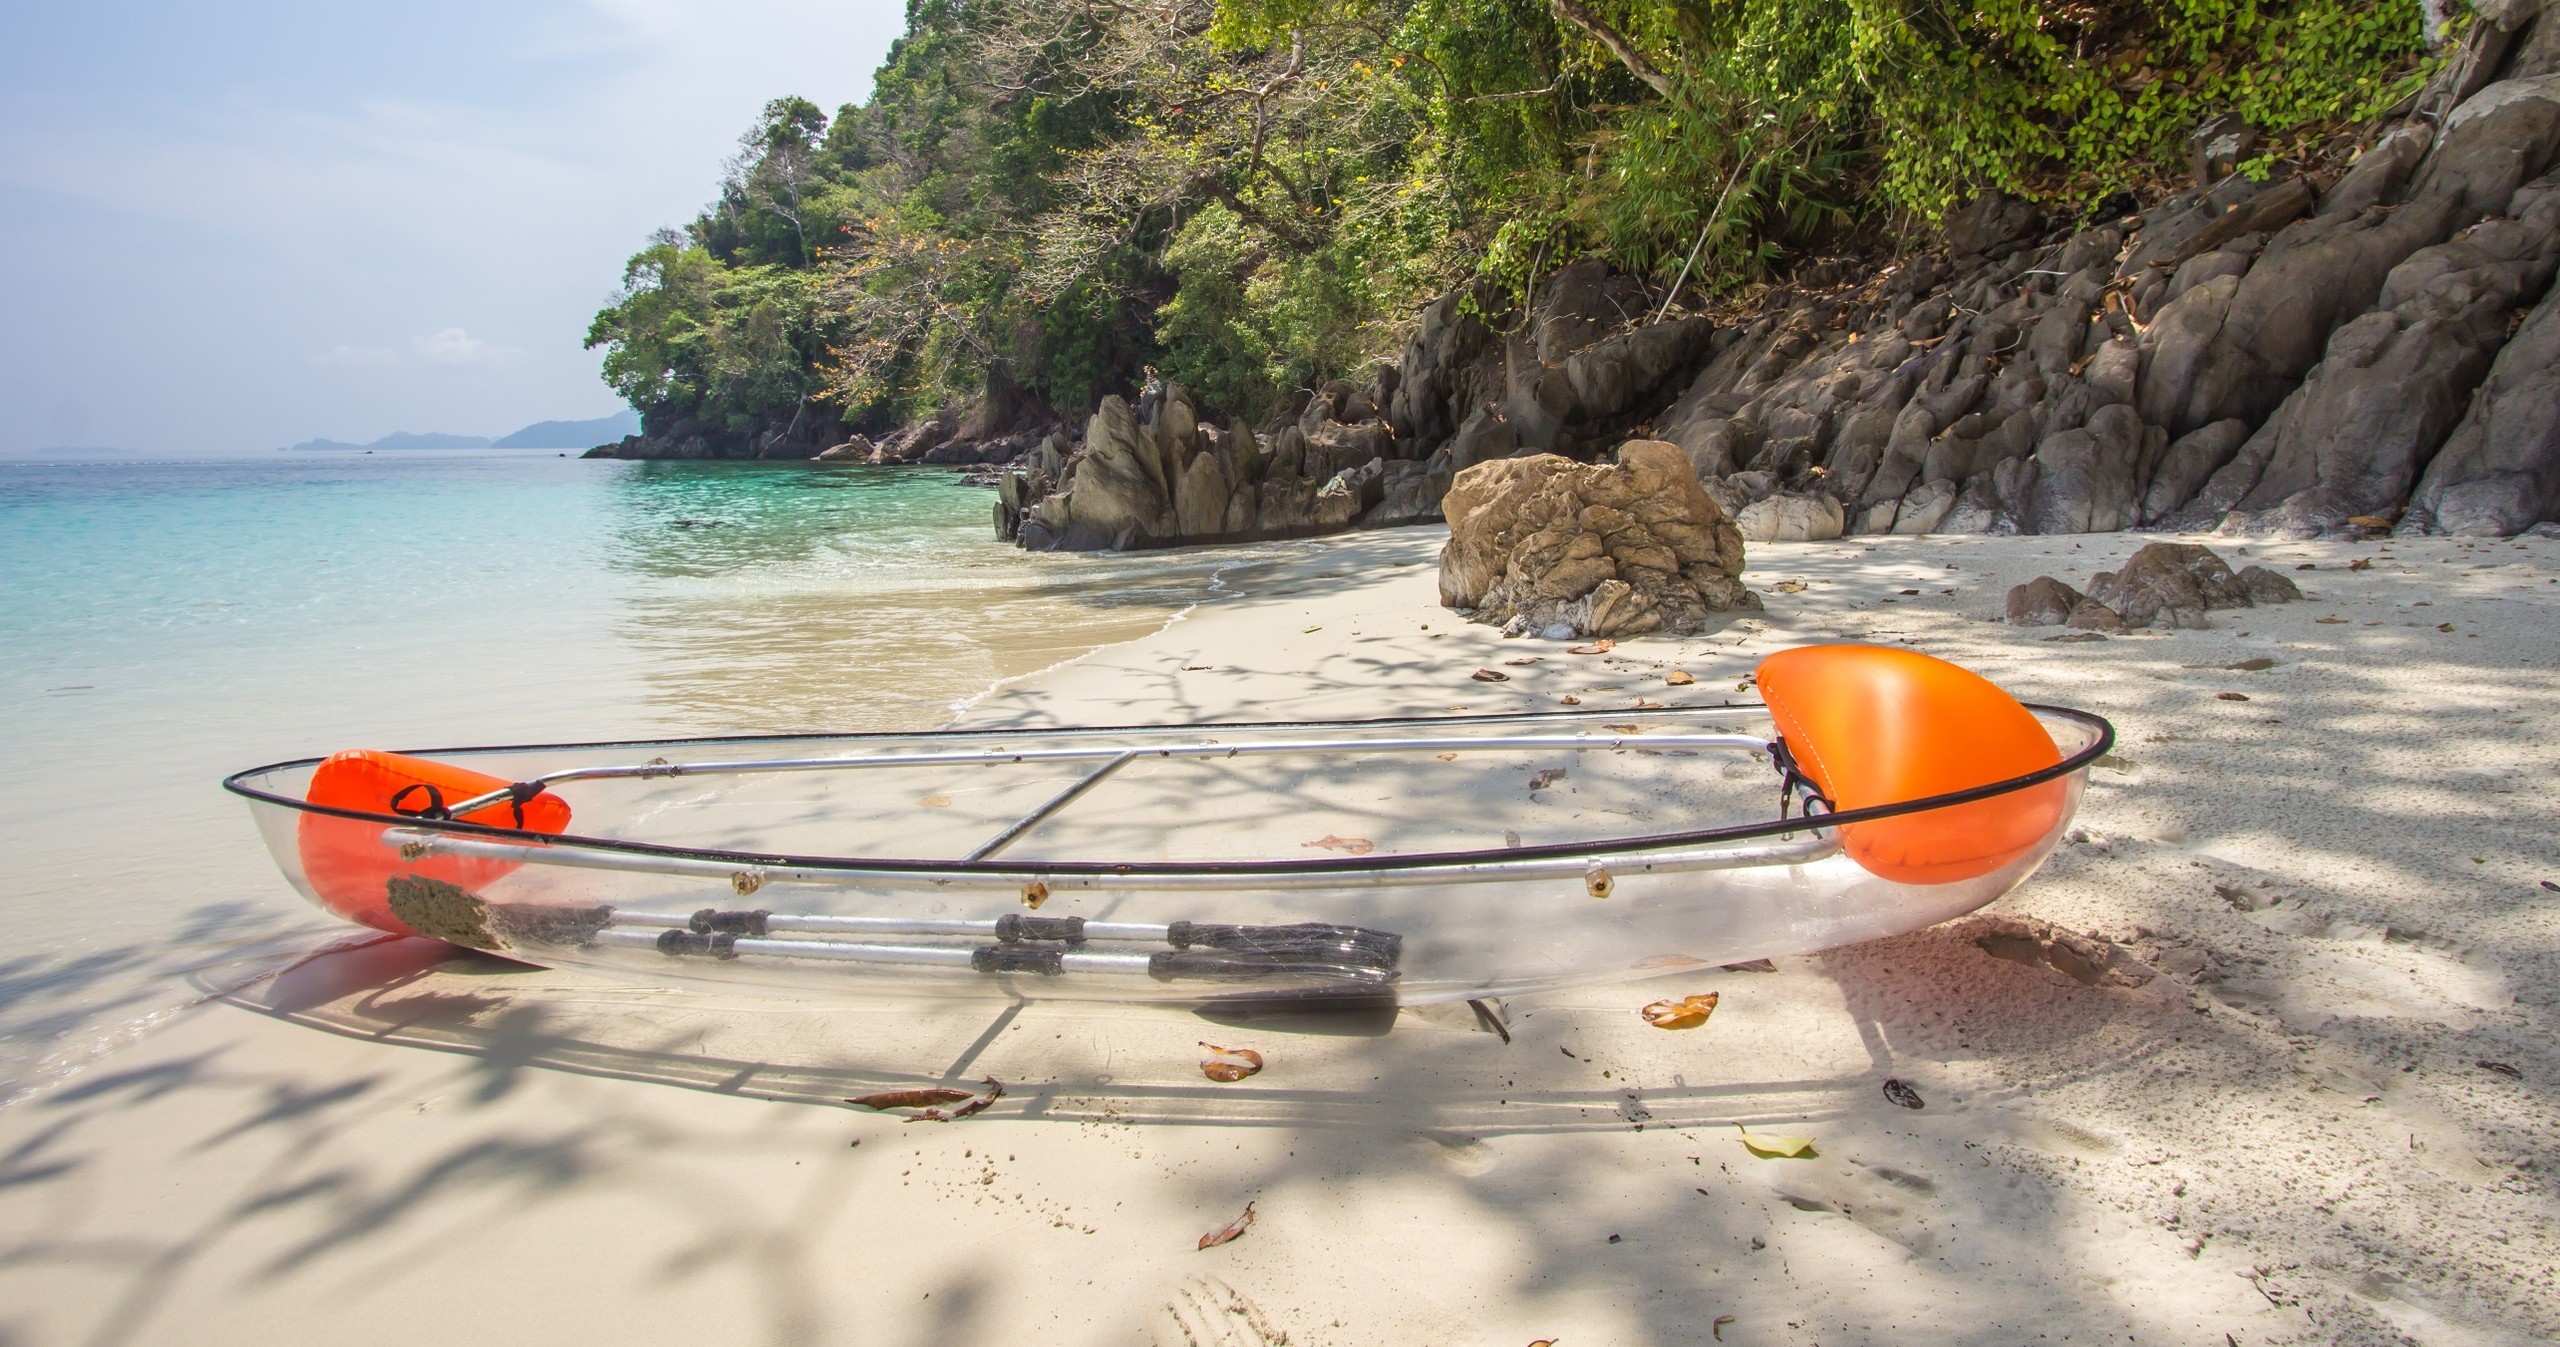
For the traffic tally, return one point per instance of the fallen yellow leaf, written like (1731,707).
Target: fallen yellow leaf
(1774,1147)
(1228,1065)
(1679,678)
(1686,1013)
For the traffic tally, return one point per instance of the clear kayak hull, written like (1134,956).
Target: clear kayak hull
(1419,860)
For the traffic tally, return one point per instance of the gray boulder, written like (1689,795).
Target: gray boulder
(2499,473)
(2393,384)
(2088,478)
(2188,465)
(1791,517)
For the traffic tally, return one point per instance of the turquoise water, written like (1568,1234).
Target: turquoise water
(167,623)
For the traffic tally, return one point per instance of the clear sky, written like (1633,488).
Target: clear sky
(243,225)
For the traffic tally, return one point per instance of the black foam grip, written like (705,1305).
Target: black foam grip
(712,919)
(1048,962)
(1304,940)
(1194,965)
(675,942)
(1014,927)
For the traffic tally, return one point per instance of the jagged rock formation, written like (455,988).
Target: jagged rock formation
(1164,479)
(995,428)
(1561,549)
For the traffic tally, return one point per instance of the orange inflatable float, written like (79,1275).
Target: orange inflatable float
(1872,725)
(345,861)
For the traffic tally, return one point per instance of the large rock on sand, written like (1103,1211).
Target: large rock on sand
(2175,584)
(1563,549)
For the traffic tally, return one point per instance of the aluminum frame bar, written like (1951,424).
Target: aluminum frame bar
(1824,842)
(1101,752)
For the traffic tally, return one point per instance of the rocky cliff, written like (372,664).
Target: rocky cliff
(2358,342)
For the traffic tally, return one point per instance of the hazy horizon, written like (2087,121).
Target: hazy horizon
(288,221)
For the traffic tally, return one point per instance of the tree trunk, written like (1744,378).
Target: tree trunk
(1573,12)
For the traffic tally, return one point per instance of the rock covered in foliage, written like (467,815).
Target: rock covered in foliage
(2163,585)
(1547,546)
(1167,480)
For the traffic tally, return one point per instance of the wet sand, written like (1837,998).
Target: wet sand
(2268,1120)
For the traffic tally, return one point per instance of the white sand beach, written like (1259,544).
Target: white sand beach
(2308,1093)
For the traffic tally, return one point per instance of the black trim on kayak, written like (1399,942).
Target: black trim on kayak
(236,783)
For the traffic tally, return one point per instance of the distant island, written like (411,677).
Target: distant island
(539,435)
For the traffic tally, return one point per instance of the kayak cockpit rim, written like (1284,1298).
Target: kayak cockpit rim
(556,849)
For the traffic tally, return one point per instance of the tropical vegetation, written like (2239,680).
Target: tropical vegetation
(1042,197)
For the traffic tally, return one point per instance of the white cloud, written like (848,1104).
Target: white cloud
(453,346)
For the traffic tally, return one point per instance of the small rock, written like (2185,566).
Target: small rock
(2266,586)
(2042,602)
(2091,615)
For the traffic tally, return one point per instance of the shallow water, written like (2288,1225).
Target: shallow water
(167,623)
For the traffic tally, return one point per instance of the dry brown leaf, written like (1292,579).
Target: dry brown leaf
(995,1091)
(1643,705)
(1599,647)
(935,802)
(1769,1146)
(1228,1065)
(2445,626)
(1787,587)
(2232,696)
(1489,676)
(1686,1013)
(1448,757)
(1721,1321)
(1357,846)
(1194,668)
(1524,659)
(1679,678)
(911,1098)
(1907,593)
(1570,700)
(1625,729)
(1545,777)
(2360,564)
(1230,1232)
(2330,621)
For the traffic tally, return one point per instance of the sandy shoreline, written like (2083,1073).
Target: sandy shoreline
(2270,1122)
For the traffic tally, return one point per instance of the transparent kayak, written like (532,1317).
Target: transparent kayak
(1415,860)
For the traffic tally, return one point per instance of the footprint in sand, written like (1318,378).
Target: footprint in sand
(1206,1312)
